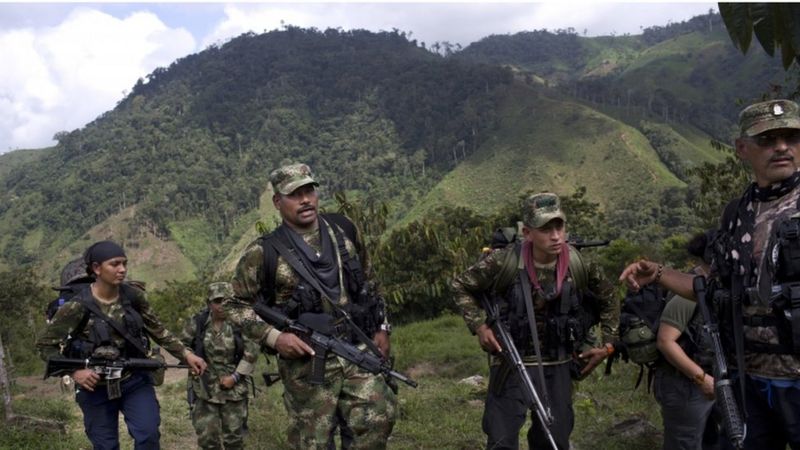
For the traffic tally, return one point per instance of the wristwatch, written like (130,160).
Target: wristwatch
(387,327)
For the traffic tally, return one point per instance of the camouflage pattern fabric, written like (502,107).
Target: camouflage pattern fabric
(219,290)
(481,276)
(542,208)
(288,178)
(770,115)
(220,425)
(366,402)
(70,315)
(768,215)
(220,348)
(368,405)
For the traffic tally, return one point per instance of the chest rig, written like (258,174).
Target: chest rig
(564,321)
(365,308)
(83,342)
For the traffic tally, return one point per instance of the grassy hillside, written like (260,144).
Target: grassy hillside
(548,144)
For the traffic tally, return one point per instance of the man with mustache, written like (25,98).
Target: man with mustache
(316,264)
(754,265)
(544,278)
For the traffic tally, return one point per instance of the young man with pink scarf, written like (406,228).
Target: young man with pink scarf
(564,306)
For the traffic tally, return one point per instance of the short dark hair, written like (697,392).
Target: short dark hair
(698,245)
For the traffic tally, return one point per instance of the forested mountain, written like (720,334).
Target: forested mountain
(190,148)
(178,170)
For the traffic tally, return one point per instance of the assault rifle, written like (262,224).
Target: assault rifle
(317,331)
(110,368)
(723,388)
(512,357)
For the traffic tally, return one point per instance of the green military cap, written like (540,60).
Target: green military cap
(219,290)
(542,208)
(288,178)
(764,116)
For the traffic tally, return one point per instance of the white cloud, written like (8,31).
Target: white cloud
(61,77)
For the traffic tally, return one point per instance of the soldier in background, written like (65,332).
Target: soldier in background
(73,279)
(683,383)
(219,409)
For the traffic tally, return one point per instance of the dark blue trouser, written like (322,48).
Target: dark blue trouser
(138,405)
(505,411)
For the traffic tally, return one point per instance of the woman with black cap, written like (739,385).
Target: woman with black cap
(112,319)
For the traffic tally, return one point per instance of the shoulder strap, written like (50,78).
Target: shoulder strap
(577,268)
(90,305)
(508,269)
(238,343)
(301,270)
(345,224)
(270,266)
(198,346)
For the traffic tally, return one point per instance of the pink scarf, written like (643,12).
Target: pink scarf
(562,265)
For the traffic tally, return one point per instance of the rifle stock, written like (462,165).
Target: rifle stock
(512,357)
(723,388)
(315,330)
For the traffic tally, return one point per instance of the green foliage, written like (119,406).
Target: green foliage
(719,184)
(23,300)
(776,25)
(178,301)
(194,141)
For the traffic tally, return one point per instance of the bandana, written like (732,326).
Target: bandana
(562,265)
(102,251)
(323,265)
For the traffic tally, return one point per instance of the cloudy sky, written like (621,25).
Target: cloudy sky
(66,63)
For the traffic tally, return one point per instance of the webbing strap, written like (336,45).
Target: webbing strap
(526,293)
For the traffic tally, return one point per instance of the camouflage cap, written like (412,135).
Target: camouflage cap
(764,116)
(288,178)
(219,290)
(73,272)
(542,208)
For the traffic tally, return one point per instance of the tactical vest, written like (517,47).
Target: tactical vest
(78,346)
(783,252)
(365,308)
(692,342)
(198,344)
(567,318)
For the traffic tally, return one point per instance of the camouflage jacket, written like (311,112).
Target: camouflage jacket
(219,348)
(481,277)
(249,277)
(70,315)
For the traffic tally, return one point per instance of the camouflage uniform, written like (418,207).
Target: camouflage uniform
(70,315)
(501,422)
(219,415)
(365,401)
(748,247)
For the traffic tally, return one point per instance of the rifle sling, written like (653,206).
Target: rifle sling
(303,272)
(526,293)
(92,307)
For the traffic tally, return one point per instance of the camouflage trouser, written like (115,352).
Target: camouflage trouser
(367,404)
(220,425)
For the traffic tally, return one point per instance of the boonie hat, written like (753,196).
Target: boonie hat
(770,115)
(542,208)
(288,178)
